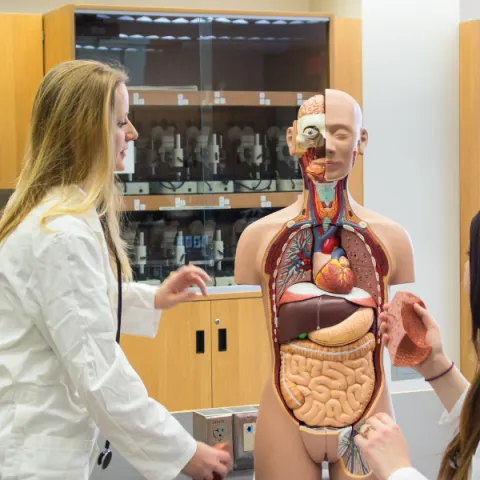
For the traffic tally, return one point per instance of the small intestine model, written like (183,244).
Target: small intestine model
(325,264)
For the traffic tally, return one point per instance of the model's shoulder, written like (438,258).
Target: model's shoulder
(382,224)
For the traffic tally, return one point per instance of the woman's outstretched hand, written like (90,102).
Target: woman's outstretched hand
(383,445)
(176,288)
(436,362)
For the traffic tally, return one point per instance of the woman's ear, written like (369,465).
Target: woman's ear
(362,143)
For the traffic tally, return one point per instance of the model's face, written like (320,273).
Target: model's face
(342,136)
(327,144)
(124,131)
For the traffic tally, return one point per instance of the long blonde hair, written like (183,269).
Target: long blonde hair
(457,459)
(71,145)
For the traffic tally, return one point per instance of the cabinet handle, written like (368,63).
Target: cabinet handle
(222,339)
(200,347)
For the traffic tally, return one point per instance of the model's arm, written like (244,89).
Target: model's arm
(78,323)
(246,265)
(401,255)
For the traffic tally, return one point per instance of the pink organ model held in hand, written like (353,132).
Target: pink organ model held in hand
(407,346)
(324,264)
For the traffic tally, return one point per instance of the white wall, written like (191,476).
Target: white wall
(410,97)
(469,10)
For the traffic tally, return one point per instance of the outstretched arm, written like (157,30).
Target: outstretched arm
(78,323)
(450,386)
(143,304)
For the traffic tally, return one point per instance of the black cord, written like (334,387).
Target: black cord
(255,188)
(172,187)
(106,455)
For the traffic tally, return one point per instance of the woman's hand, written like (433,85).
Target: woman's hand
(436,362)
(176,287)
(209,463)
(382,443)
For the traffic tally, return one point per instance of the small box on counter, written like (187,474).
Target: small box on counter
(212,426)
(244,421)
(234,425)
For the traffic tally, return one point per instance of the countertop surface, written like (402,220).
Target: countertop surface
(226,290)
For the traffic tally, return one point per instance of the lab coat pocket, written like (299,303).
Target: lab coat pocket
(55,458)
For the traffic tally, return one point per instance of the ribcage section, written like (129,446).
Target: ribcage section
(295,261)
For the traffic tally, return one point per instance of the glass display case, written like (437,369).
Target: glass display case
(211,98)
(211,95)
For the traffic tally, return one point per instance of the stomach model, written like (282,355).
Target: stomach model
(323,308)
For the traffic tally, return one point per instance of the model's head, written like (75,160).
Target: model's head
(328,135)
(78,137)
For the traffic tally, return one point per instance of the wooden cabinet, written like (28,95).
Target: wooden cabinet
(240,351)
(21,51)
(469,116)
(207,353)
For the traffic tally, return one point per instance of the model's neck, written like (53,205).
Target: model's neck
(322,199)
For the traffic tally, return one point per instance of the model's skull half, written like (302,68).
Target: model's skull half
(311,140)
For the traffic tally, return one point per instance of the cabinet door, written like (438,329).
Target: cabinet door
(176,365)
(240,352)
(20,76)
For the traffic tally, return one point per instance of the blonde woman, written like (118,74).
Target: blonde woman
(381,440)
(63,378)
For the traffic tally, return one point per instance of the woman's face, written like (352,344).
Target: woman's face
(124,130)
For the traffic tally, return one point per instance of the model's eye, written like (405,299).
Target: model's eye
(311,132)
(122,124)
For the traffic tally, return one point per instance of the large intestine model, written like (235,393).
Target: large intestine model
(327,278)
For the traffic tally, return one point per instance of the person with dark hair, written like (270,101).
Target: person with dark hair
(381,440)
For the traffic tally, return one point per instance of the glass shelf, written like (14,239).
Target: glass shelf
(211,97)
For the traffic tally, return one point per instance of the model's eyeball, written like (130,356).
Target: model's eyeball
(311,132)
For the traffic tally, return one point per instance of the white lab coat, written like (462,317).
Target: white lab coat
(62,375)
(451,418)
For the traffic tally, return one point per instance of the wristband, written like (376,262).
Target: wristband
(441,375)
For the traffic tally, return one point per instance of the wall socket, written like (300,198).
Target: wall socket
(213,426)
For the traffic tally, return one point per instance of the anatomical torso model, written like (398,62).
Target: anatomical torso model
(324,265)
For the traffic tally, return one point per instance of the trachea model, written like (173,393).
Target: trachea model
(324,264)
